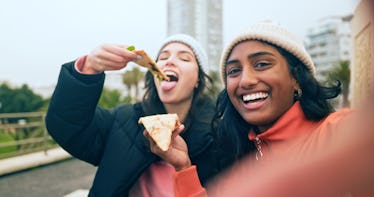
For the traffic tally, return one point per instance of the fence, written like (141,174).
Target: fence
(22,133)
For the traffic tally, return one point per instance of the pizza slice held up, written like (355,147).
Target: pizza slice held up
(160,127)
(149,63)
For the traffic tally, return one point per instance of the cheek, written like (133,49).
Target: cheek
(283,96)
(191,72)
(231,85)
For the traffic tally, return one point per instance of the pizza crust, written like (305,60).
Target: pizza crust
(160,127)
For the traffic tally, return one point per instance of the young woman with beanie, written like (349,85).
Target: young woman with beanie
(112,139)
(272,108)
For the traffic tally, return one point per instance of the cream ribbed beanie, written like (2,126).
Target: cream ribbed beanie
(191,42)
(275,34)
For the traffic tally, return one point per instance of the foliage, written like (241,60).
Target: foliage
(5,137)
(127,80)
(132,78)
(138,76)
(342,73)
(21,99)
(44,108)
(127,99)
(109,98)
(216,84)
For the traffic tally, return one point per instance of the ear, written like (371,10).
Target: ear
(296,85)
(297,91)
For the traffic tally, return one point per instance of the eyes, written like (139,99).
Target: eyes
(186,57)
(234,68)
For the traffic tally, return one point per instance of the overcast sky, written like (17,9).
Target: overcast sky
(37,36)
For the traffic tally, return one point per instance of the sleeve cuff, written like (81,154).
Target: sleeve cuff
(80,63)
(187,183)
(86,78)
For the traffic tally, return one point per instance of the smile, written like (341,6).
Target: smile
(255,96)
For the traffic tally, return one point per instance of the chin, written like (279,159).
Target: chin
(167,100)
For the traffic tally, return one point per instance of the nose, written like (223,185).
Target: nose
(248,78)
(170,61)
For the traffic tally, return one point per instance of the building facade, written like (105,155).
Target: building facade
(200,19)
(362,69)
(329,43)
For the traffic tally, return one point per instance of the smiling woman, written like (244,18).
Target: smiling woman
(262,87)
(267,72)
(272,108)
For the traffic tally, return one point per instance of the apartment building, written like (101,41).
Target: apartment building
(200,19)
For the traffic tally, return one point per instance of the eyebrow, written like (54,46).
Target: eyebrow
(179,52)
(188,52)
(251,56)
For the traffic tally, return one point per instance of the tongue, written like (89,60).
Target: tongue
(168,85)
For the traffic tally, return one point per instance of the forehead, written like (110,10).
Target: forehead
(176,46)
(252,46)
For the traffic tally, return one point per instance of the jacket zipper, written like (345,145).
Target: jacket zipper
(258,143)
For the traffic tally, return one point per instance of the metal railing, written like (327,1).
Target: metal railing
(22,133)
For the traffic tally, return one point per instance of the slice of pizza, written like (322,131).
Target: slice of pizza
(160,127)
(150,64)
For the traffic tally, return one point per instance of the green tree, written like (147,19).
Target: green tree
(109,98)
(127,79)
(138,76)
(342,73)
(132,78)
(21,99)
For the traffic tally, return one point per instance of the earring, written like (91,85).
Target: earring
(298,93)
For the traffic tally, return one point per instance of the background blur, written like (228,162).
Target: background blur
(38,36)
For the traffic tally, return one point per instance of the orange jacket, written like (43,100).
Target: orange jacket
(292,146)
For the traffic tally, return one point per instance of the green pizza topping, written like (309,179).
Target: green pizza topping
(131,48)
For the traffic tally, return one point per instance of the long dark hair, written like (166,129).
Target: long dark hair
(232,140)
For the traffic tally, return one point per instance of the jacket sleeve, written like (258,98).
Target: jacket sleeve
(73,118)
(187,184)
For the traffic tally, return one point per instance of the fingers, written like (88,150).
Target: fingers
(177,131)
(155,148)
(146,134)
(108,57)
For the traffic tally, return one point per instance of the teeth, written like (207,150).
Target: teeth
(251,97)
(170,73)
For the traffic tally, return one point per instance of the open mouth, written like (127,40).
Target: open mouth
(259,96)
(172,83)
(173,76)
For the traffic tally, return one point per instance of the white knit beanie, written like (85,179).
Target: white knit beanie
(275,34)
(198,50)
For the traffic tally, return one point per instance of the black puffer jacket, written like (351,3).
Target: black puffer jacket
(112,139)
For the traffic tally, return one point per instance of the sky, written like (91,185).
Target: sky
(38,36)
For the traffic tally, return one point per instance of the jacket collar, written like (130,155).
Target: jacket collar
(289,125)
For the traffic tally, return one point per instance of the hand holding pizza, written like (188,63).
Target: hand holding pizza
(177,154)
(108,57)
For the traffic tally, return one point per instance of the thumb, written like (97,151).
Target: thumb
(178,130)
